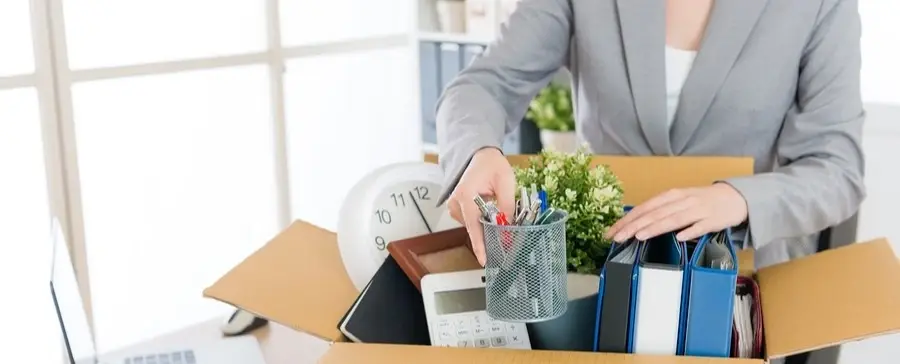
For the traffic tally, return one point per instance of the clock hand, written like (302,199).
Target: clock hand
(411,197)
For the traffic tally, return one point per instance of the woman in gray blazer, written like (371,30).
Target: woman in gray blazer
(774,80)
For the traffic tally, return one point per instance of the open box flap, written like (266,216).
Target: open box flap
(829,298)
(297,279)
(376,353)
(746,263)
(645,177)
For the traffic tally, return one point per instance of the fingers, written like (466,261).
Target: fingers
(455,210)
(671,223)
(694,231)
(472,220)
(504,186)
(639,211)
(647,225)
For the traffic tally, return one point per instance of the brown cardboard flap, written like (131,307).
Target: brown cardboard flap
(829,298)
(645,177)
(746,263)
(297,279)
(341,353)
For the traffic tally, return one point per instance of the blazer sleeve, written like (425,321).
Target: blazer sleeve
(489,98)
(820,183)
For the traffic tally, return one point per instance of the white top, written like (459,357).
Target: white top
(678,65)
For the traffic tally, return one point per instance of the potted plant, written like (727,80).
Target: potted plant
(592,195)
(551,111)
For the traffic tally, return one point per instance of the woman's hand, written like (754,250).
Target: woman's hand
(488,175)
(696,210)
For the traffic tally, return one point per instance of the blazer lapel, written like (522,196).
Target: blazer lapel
(643,27)
(729,26)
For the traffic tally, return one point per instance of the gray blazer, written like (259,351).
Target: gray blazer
(774,80)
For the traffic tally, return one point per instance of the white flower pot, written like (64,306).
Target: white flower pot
(452,15)
(560,141)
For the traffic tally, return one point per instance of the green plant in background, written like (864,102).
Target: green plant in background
(551,109)
(591,195)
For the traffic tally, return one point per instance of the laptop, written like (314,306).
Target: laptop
(78,339)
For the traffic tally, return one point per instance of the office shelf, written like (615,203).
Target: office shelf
(453,38)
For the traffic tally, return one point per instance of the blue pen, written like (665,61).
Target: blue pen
(542,195)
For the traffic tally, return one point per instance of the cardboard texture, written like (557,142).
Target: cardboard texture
(746,264)
(645,177)
(857,285)
(297,279)
(341,353)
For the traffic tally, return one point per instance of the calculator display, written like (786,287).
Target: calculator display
(453,302)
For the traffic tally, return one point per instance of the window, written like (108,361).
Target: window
(346,115)
(178,186)
(880,74)
(15,39)
(305,22)
(104,33)
(25,244)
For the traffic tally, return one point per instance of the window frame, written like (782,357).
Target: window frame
(53,79)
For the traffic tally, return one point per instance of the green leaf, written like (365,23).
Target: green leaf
(552,108)
(594,202)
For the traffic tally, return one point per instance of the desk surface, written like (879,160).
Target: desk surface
(279,344)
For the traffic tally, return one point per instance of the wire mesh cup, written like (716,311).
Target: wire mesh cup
(525,271)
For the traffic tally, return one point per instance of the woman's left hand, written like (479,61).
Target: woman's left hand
(698,211)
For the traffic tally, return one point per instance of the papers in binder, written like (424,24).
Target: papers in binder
(717,254)
(744,327)
(748,323)
(627,255)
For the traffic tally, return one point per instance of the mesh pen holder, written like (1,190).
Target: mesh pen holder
(525,272)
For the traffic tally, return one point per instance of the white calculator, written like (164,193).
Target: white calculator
(455,305)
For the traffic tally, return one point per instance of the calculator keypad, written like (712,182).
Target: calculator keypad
(479,331)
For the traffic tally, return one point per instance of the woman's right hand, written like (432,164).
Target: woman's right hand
(490,176)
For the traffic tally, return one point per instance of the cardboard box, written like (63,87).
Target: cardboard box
(841,295)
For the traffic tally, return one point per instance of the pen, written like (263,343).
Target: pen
(521,217)
(523,201)
(505,236)
(533,212)
(482,206)
(501,219)
(542,195)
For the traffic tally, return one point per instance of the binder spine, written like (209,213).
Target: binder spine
(709,304)
(635,285)
(600,293)
(615,309)
(710,313)
(685,301)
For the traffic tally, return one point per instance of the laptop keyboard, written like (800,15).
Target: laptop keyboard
(177,357)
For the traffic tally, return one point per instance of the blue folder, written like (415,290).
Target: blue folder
(430,88)
(709,297)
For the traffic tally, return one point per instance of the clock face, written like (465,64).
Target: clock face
(405,210)
(394,202)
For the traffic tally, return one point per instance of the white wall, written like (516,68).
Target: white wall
(878,216)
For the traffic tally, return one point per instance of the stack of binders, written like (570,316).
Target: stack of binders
(667,297)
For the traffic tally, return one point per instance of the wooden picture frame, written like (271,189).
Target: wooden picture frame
(440,252)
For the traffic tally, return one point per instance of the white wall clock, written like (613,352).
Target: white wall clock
(394,202)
